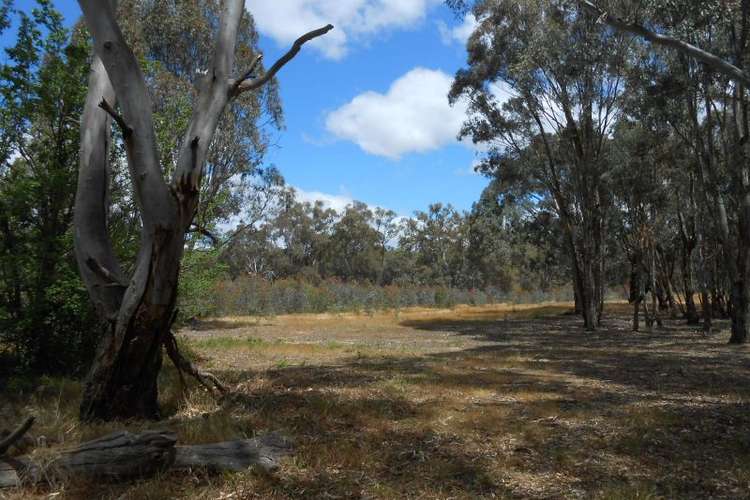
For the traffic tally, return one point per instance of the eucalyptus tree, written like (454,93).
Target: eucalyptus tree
(710,43)
(437,240)
(353,251)
(387,226)
(544,86)
(140,308)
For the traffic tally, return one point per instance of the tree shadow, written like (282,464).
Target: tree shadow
(524,408)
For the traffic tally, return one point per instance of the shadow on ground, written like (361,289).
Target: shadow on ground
(530,408)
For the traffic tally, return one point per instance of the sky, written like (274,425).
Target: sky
(365,107)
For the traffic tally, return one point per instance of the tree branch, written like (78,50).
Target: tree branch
(91,238)
(210,104)
(197,228)
(16,435)
(701,55)
(259,82)
(126,131)
(156,205)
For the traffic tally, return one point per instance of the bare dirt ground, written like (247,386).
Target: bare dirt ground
(493,402)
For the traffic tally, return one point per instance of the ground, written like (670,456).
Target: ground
(484,402)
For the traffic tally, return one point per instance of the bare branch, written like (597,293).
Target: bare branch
(91,238)
(701,55)
(16,435)
(210,104)
(126,131)
(157,207)
(259,82)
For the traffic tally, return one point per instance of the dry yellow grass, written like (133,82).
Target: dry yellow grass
(493,402)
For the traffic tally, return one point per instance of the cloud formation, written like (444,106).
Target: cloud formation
(458,34)
(337,202)
(354,20)
(413,116)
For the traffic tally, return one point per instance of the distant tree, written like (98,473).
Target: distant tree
(354,244)
(436,240)
(386,224)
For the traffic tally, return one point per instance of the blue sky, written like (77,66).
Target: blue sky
(365,108)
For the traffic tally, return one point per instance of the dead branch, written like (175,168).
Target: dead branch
(126,130)
(296,46)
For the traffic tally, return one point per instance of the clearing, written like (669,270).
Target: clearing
(495,401)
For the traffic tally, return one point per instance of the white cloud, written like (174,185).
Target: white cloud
(285,20)
(458,34)
(413,116)
(337,202)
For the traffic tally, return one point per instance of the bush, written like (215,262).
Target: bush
(57,336)
(200,273)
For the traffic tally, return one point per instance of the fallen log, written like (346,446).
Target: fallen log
(123,455)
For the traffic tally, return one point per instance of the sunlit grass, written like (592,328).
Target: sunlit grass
(502,401)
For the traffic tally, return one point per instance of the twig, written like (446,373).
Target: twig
(16,435)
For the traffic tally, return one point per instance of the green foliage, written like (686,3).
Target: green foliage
(201,270)
(45,319)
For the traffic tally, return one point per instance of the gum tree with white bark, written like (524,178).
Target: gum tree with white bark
(140,308)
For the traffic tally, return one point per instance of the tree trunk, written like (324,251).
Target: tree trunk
(691,312)
(122,382)
(740,312)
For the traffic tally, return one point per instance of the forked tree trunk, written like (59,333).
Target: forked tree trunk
(123,378)
(122,382)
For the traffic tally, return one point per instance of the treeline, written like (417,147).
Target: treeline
(293,256)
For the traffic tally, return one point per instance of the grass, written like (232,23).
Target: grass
(476,402)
